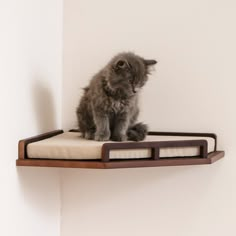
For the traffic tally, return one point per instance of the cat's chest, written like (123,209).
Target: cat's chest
(119,106)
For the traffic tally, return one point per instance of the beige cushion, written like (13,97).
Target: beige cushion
(70,145)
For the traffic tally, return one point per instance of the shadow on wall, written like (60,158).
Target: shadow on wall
(40,191)
(44,107)
(105,186)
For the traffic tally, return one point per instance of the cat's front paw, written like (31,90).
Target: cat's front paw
(119,137)
(102,136)
(89,135)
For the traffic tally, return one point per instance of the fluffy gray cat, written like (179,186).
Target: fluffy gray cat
(108,108)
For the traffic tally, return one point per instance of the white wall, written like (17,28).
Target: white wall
(30,101)
(193,89)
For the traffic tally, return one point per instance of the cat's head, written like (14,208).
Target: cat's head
(128,73)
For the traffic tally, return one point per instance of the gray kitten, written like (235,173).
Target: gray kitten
(108,108)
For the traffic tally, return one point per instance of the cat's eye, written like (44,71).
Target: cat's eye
(120,63)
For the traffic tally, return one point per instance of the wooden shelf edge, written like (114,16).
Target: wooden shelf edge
(61,163)
(212,157)
(22,153)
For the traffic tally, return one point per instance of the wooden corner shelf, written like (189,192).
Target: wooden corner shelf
(105,162)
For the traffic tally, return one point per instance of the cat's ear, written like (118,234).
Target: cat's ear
(121,64)
(150,62)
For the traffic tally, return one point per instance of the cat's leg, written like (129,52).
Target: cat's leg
(121,124)
(89,134)
(102,127)
(134,112)
(136,131)
(86,124)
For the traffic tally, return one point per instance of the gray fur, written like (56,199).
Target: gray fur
(108,108)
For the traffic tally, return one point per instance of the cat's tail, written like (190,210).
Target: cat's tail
(137,132)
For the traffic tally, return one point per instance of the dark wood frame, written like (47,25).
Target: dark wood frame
(107,163)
